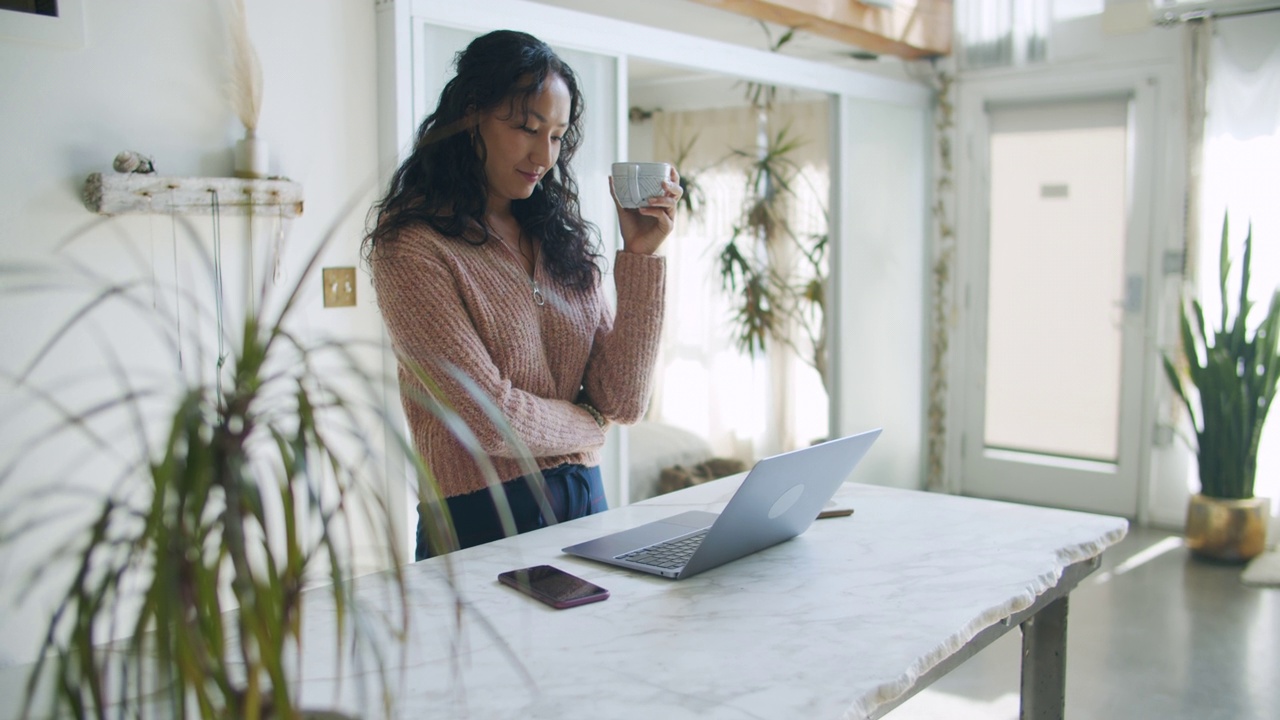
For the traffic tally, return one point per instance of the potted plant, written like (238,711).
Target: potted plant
(1227,384)
(240,479)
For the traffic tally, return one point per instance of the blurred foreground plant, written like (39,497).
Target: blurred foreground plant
(236,498)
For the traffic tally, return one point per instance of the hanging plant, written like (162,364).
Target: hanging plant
(776,278)
(692,198)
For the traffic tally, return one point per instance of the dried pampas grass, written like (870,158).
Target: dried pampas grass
(246,70)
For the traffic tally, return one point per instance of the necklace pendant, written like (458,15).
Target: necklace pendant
(537,296)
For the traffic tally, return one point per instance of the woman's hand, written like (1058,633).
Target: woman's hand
(644,229)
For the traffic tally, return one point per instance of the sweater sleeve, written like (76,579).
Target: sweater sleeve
(431,329)
(619,376)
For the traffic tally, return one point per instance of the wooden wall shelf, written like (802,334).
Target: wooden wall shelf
(121,193)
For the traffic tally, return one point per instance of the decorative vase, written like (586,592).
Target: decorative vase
(251,157)
(1227,530)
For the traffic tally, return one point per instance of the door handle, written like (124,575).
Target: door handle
(1134,285)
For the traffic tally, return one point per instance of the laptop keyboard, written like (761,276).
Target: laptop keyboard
(667,555)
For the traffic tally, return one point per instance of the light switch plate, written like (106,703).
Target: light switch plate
(339,286)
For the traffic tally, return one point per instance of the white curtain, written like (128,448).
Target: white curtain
(1241,176)
(746,407)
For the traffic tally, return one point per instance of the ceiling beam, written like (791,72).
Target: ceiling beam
(909,30)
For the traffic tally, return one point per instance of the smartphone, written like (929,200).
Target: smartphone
(553,586)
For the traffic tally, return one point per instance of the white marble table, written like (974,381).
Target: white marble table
(846,621)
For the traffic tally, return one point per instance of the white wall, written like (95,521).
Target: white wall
(881,266)
(151,76)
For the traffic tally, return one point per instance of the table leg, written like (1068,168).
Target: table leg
(1044,662)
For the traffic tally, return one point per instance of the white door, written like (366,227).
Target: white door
(1056,293)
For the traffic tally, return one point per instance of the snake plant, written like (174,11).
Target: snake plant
(1228,380)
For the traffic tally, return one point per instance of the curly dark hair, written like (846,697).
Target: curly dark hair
(442,183)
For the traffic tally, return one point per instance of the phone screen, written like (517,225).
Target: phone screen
(553,586)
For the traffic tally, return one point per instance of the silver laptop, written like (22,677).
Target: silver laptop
(777,501)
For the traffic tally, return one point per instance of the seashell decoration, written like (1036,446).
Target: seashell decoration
(130,161)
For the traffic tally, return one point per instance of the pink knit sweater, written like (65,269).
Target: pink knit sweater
(446,302)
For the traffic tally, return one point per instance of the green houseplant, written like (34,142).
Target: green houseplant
(233,502)
(777,277)
(774,276)
(1227,385)
(239,484)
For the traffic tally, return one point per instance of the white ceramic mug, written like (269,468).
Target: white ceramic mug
(636,182)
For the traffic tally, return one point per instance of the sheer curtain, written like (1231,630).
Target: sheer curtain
(746,407)
(1002,33)
(1241,176)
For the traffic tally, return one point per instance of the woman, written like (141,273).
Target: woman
(482,263)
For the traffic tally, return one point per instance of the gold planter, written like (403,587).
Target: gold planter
(1227,530)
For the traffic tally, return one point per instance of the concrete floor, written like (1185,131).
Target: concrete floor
(1153,634)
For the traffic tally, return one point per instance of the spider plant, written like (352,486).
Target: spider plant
(1228,380)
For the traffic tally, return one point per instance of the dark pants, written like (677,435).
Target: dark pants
(574,491)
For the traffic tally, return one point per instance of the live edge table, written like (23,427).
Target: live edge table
(847,620)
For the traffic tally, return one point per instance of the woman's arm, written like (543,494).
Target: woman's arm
(619,376)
